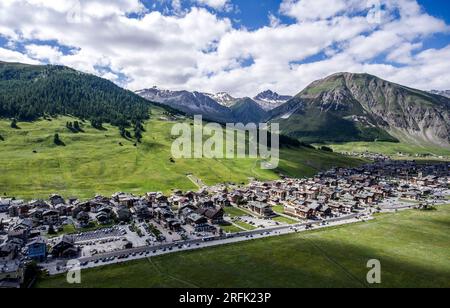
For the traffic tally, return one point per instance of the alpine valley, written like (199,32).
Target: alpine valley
(343,107)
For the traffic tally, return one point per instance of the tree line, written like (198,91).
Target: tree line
(30,92)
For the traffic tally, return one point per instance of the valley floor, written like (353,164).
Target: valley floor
(412,246)
(400,150)
(102,162)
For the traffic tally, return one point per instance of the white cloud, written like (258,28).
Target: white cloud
(216,4)
(196,50)
(14,56)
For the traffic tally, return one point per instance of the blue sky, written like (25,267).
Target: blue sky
(238,46)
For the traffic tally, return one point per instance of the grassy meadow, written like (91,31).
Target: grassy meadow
(392,149)
(412,246)
(102,162)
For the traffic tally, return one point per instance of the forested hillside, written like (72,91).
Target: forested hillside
(28,92)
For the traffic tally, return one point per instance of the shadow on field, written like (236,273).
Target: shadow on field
(286,262)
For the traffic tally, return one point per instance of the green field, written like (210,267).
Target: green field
(279,209)
(92,162)
(392,149)
(230,229)
(413,248)
(235,212)
(245,225)
(284,219)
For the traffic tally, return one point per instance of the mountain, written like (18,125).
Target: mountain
(192,103)
(222,98)
(445,93)
(269,100)
(361,107)
(28,92)
(246,110)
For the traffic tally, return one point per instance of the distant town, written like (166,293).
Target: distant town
(123,227)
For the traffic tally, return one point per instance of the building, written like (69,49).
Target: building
(4,205)
(261,209)
(65,248)
(11,274)
(37,249)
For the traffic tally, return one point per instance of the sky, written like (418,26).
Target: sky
(241,47)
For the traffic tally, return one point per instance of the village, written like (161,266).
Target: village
(107,230)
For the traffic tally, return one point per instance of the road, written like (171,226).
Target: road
(137,253)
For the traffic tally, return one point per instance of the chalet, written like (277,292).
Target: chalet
(213,215)
(83,218)
(143,211)
(103,217)
(221,200)
(196,220)
(205,203)
(172,224)
(335,207)
(123,213)
(65,248)
(299,211)
(63,209)
(125,199)
(412,195)
(50,217)
(261,209)
(56,199)
(280,194)
(324,211)
(105,214)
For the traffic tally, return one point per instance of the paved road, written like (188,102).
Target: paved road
(149,251)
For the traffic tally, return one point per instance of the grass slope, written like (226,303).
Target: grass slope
(390,148)
(412,246)
(93,162)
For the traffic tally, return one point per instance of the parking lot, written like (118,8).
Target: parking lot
(93,248)
(99,234)
(258,222)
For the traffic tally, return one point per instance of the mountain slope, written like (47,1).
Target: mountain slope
(28,92)
(192,103)
(269,100)
(246,110)
(445,93)
(222,98)
(102,162)
(361,107)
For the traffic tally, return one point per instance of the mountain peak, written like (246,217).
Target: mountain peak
(363,107)
(223,98)
(270,100)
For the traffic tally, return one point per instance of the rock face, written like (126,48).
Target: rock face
(192,103)
(223,98)
(362,107)
(269,100)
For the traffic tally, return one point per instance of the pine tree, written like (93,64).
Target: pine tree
(76,126)
(14,124)
(57,140)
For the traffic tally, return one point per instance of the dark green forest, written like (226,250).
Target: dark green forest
(28,92)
